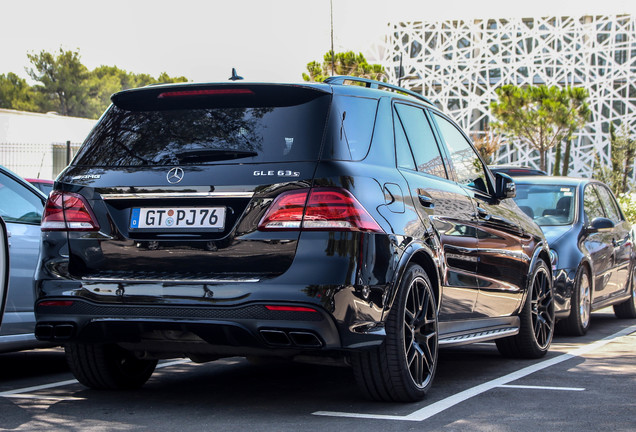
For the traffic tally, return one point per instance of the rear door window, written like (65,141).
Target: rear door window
(422,141)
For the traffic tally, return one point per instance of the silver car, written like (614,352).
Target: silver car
(21,207)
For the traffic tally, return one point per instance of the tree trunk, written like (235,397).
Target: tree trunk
(566,158)
(542,159)
(557,160)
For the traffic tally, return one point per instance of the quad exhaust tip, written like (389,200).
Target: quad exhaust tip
(54,332)
(286,338)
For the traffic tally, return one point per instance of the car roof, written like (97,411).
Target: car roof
(336,86)
(38,180)
(553,180)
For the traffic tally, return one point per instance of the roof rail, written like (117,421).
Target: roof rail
(375,85)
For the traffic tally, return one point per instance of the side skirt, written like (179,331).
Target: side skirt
(479,330)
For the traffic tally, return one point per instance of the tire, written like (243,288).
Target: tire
(627,309)
(578,322)
(107,367)
(402,369)
(537,319)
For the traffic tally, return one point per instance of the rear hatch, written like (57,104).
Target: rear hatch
(178,178)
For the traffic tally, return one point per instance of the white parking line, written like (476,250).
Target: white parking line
(36,388)
(41,397)
(444,404)
(26,390)
(541,387)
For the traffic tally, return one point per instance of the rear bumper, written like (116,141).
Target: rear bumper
(342,277)
(168,330)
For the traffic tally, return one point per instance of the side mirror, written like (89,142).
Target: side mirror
(504,186)
(600,224)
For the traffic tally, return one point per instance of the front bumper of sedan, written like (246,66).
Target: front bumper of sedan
(563,289)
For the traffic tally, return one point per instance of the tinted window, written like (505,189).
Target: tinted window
(402,148)
(421,139)
(206,135)
(468,167)
(17,203)
(547,204)
(351,124)
(609,204)
(592,204)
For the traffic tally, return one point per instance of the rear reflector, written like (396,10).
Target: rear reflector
(209,92)
(65,303)
(323,209)
(290,308)
(67,211)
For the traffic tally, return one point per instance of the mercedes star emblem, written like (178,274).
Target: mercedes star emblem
(175,175)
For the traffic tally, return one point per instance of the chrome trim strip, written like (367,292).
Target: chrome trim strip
(178,195)
(199,281)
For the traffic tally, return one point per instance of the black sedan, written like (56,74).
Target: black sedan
(591,245)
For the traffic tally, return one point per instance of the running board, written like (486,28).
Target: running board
(477,330)
(481,336)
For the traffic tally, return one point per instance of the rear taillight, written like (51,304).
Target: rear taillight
(67,211)
(324,209)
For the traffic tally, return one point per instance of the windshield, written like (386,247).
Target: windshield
(207,135)
(547,204)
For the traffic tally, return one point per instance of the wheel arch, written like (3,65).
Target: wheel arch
(424,256)
(541,252)
(587,264)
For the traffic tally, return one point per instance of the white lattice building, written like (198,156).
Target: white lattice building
(460,63)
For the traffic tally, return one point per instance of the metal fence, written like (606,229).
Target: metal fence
(31,160)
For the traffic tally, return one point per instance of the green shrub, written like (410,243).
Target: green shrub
(627,202)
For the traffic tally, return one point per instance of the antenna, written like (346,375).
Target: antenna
(333,54)
(234,76)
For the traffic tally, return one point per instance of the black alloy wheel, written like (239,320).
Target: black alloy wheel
(537,319)
(404,366)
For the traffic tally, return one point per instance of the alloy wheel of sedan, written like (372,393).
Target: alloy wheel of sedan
(585,301)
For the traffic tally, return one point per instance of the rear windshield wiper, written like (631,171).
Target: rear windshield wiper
(210,155)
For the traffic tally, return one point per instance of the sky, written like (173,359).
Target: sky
(265,40)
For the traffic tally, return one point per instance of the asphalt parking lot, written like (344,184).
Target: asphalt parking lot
(583,384)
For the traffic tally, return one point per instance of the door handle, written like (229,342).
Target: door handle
(426,201)
(483,214)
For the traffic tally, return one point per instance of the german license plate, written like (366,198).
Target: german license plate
(178,217)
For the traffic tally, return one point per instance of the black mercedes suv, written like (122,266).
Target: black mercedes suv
(319,222)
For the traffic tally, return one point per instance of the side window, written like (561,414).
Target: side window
(352,119)
(18,204)
(420,136)
(402,148)
(609,204)
(468,167)
(592,204)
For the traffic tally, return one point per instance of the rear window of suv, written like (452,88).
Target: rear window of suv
(206,134)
